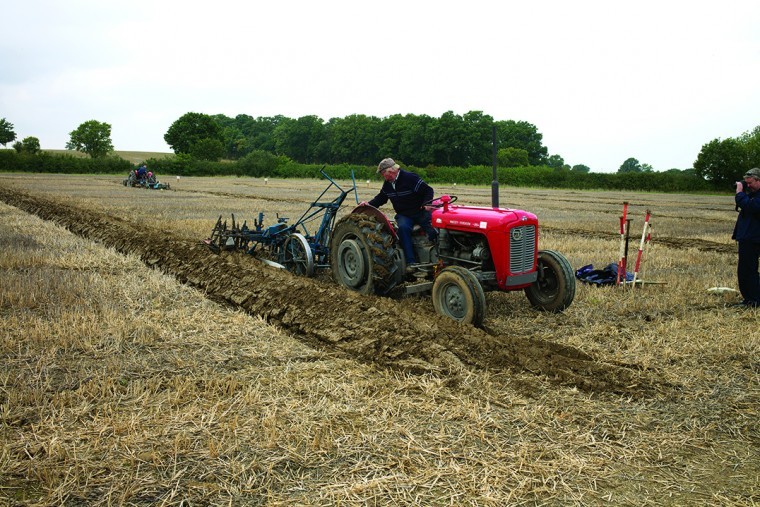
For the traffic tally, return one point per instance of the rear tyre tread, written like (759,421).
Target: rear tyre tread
(379,246)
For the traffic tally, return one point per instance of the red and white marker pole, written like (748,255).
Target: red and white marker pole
(641,247)
(623,227)
(646,244)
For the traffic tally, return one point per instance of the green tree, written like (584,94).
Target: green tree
(30,145)
(261,131)
(631,165)
(512,157)
(354,140)
(523,135)
(7,134)
(751,143)
(303,140)
(580,168)
(721,162)
(479,149)
(555,162)
(191,128)
(207,149)
(404,137)
(448,139)
(93,138)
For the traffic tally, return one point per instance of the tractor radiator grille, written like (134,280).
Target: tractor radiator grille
(522,248)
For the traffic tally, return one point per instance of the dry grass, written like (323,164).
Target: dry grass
(120,386)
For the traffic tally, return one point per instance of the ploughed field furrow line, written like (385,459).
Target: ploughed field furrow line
(242,196)
(677,243)
(330,317)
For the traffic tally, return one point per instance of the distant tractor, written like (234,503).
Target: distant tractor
(478,249)
(148,181)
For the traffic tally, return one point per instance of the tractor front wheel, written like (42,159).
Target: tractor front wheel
(554,289)
(457,294)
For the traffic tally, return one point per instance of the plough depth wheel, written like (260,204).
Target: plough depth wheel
(297,255)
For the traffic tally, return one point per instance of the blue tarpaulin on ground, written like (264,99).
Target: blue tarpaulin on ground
(605,276)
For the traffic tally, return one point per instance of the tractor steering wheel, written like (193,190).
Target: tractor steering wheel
(437,203)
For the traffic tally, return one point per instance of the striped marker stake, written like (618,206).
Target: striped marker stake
(621,260)
(644,255)
(641,247)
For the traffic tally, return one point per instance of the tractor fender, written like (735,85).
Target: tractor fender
(381,217)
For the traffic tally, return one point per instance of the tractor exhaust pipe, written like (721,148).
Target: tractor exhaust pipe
(495,180)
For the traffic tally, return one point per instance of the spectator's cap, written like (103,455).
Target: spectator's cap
(753,173)
(386,163)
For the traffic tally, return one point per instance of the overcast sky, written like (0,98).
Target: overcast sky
(601,80)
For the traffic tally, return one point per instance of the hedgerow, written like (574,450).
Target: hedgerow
(259,164)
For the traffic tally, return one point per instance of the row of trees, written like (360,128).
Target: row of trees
(417,140)
(29,144)
(721,162)
(91,137)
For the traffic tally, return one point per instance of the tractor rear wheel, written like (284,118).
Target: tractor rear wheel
(362,255)
(297,256)
(457,294)
(554,289)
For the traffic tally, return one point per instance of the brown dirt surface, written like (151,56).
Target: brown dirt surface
(330,317)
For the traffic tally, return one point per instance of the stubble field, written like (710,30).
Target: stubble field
(139,368)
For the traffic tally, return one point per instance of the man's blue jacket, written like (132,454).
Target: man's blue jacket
(747,226)
(408,195)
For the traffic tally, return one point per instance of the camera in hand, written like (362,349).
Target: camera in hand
(744,186)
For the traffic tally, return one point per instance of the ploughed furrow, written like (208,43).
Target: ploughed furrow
(328,316)
(677,243)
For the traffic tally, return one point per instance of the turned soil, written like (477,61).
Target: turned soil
(331,317)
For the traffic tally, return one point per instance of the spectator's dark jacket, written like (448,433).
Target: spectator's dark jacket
(748,222)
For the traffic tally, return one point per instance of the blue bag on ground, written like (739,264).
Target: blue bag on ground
(606,276)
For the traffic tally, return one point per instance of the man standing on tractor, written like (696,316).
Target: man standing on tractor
(410,197)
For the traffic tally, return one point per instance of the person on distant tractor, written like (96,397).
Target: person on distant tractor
(142,173)
(410,196)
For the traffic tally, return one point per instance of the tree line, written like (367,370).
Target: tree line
(418,141)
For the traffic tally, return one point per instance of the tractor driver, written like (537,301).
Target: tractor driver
(409,195)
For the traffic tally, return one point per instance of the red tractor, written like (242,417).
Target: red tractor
(478,249)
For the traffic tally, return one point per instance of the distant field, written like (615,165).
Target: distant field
(133,156)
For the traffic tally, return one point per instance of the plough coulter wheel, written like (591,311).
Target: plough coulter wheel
(555,288)
(457,294)
(297,255)
(362,255)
